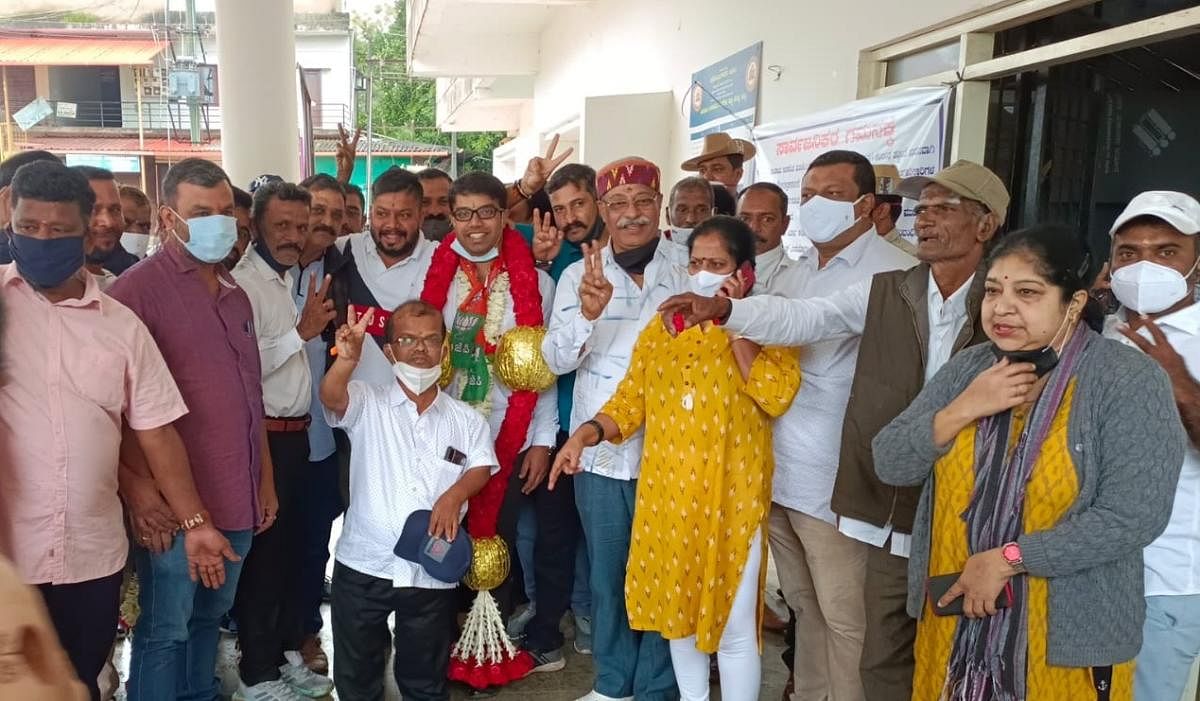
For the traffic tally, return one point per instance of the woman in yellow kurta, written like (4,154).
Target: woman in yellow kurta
(706,400)
(1049,459)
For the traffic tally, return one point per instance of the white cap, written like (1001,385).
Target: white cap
(1175,208)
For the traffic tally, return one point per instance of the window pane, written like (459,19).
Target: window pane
(943,57)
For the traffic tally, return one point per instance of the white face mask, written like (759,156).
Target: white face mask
(706,284)
(135,243)
(822,219)
(416,379)
(1149,288)
(681,234)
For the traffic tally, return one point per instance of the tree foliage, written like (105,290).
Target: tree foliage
(405,107)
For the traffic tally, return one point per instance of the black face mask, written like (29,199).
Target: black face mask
(635,260)
(1044,359)
(265,252)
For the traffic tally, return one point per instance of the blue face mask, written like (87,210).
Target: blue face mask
(210,238)
(46,263)
(458,248)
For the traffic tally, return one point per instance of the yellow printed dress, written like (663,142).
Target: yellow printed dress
(1053,486)
(706,472)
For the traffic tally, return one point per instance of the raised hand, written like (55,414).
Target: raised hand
(683,311)
(349,338)
(547,239)
(538,171)
(595,291)
(318,311)
(345,153)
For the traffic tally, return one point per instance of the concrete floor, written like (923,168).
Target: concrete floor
(569,684)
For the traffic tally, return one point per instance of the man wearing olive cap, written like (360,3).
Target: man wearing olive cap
(911,322)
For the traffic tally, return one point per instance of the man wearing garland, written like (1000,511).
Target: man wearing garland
(483,278)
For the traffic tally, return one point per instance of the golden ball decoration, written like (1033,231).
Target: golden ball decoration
(489,564)
(447,367)
(519,362)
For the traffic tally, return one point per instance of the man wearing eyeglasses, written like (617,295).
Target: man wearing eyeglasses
(690,202)
(910,323)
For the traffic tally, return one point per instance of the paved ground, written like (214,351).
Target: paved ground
(569,684)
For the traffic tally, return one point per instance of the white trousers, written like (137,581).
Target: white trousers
(737,656)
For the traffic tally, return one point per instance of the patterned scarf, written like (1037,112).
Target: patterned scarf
(987,661)
(468,346)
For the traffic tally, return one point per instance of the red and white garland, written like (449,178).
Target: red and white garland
(484,656)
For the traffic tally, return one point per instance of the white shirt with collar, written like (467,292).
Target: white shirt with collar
(390,285)
(396,468)
(602,350)
(946,318)
(286,377)
(543,429)
(1172,561)
(807,437)
(677,251)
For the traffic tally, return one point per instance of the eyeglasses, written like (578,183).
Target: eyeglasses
(620,204)
(464,214)
(426,342)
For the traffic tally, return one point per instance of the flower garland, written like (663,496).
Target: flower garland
(497,293)
(521,281)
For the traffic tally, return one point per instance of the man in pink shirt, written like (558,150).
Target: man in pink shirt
(78,364)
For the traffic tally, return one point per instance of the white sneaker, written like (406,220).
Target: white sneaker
(594,695)
(517,623)
(301,679)
(274,690)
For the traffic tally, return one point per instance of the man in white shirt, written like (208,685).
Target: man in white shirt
(889,205)
(690,202)
(600,307)
(270,614)
(821,570)
(415,448)
(483,278)
(910,322)
(384,267)
(1156,249)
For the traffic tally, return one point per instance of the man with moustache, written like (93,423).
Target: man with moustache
(270,617)
(690,203)
(600,307)
(385,266)
(320,498)
(435,203)
(103,249)
(135,207)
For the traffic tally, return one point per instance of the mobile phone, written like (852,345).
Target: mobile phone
(939,585)
(747,271)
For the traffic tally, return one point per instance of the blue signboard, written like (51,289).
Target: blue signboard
(724,95)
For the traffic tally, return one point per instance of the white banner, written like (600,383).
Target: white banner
(906,129)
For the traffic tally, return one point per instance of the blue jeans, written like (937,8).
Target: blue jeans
(1170,644)
(175,646)
(581,593)
(628,662)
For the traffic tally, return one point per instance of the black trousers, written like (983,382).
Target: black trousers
(558,531)
(425,631)
(270,614)
(84,615)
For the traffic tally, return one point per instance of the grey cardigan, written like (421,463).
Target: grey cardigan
(1127,446)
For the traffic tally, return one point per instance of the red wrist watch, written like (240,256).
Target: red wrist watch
(1011,552)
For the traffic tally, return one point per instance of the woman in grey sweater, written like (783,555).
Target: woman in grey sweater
(1048,460)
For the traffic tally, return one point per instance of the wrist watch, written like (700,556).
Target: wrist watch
(1011,552)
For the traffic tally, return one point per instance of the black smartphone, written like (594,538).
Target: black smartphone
(939,585)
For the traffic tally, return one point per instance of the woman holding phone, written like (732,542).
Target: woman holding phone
(706,399)
(1049,459)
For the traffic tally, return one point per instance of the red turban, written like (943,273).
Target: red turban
(627,171)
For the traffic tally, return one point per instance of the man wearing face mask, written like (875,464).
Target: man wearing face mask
(435,203)
(600,307)
(61,421)
(483,278)
(203,323)
(135,208)
(319,498)
(385,266)
(270,613)
(690,202)
(103,249)
(404,430)
(822,570)
(910,323)
(8,168)
(1155,253)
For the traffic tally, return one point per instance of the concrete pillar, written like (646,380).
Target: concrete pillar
(256,58)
